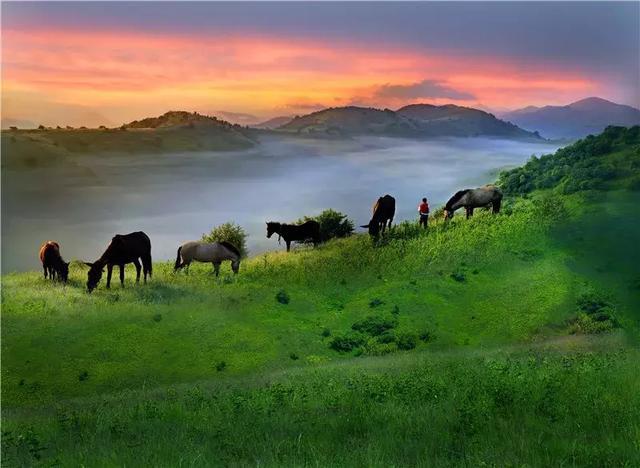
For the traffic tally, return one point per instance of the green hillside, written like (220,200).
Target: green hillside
(427,348)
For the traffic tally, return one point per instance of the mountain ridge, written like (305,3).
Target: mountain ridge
(578,119)
(414,120)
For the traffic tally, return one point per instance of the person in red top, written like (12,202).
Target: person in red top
(423,211)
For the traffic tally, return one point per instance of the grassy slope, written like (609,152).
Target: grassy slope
(129,376)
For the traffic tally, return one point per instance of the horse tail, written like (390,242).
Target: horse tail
(178,259)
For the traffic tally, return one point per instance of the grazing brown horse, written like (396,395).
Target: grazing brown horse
(474,198)
(52,262)
(293,232)
(383,212)
(123,249)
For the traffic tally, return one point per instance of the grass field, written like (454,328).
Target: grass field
(508,340)
(487,360)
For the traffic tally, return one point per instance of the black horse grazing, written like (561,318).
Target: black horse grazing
(295,232)
(123,249)
(52,262)
(383,211)
(474,198)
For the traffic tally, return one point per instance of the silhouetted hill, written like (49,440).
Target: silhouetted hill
(176,119)
(416,121)
(576,120)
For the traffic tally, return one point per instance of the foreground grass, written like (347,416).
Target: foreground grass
(573,404)
(194,370)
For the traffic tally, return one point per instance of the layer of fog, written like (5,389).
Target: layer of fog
(178,197)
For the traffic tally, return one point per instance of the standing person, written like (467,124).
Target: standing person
(423,211)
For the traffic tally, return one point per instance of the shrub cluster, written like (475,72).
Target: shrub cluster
(375,325)
(595,315)
(576,167)
(375,336)
(333,224)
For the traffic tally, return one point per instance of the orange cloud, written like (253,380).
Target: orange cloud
(127,75)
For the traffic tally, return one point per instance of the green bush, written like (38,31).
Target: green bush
(596,315)
(426,336)
(387,337)
(282,297)
(585,324)
(333,224)
(406,341)
(229,232)
(375,325)
(375,348)
(348,341)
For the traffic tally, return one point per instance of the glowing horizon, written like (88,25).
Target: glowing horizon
(108,74)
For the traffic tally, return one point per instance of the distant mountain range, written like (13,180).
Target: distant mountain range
(416,121)
(576,120)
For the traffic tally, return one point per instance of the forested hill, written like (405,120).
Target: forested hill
(414,121)
(609,160)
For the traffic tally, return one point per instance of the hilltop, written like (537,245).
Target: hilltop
(415,121)
(180,119)
(427,345)
(576,120)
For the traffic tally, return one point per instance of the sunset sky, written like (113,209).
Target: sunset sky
(108,63)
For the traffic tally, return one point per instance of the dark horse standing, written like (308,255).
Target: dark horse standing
(474,198)
(123,249)
(295,232)
(52,262)
(383,211)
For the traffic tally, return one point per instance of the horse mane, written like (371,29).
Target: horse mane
(231,247)
(458,195)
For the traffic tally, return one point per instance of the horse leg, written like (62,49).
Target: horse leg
(122,275)
(496,206)
(136,262)
(45,272)
(216,268)
(109,271)
(288,245)
(469,211)
(52,273)
(147,266)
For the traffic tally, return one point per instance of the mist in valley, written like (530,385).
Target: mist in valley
(83,202)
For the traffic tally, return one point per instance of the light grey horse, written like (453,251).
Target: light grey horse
(474,198)
(214,252)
